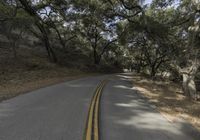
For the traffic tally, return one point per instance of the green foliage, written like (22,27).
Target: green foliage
(124,33)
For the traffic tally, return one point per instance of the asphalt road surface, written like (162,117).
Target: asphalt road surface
(60,112)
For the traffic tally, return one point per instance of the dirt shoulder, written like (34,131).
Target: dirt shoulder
(169,100)
(31,70)
(13,84)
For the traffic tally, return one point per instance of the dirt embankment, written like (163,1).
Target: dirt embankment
(25,81)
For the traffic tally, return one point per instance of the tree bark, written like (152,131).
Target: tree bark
(50,52)
(189,74)
(189,87)
(97,58)
(13,45)
(153,72)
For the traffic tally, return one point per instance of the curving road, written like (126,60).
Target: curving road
(60,112)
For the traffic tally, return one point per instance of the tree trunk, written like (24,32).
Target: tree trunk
(50,52)
(14,49)
(153,72)
(189,87)
(97,58)
(60,38)
(138,69)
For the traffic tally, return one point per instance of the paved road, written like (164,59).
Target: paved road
(60,112)
(125,115)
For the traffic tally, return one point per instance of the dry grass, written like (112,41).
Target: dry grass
(29,72)
(169,99)
(28,81)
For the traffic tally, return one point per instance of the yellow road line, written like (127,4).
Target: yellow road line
(92,126)
(90,116)
(96,113)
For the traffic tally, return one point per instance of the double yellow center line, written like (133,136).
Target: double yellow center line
(92,126)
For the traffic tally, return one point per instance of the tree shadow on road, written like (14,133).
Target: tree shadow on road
(126,115)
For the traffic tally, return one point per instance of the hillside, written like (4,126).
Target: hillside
(31,70)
